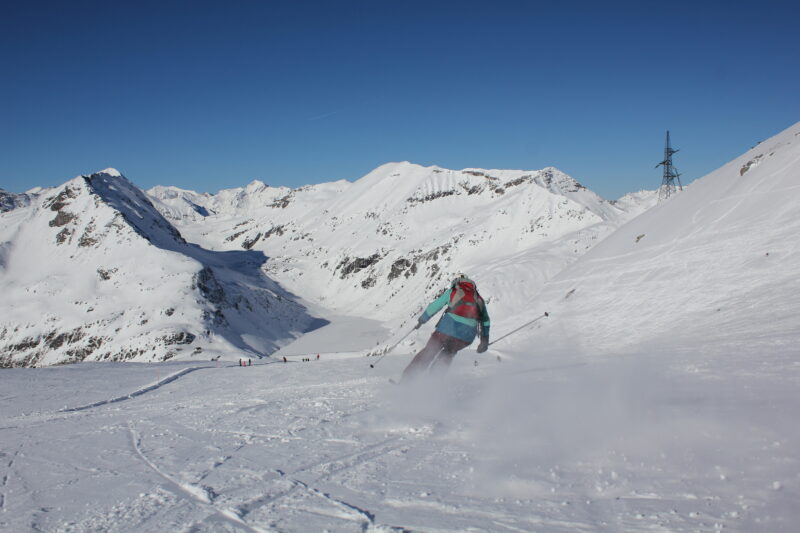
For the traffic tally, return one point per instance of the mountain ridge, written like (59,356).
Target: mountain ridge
(92,271)
(404,227)
(243,278)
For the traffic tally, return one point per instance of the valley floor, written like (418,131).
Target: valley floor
(529,442)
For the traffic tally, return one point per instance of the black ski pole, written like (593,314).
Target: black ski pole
(516,330)
(521,327)
(392,347)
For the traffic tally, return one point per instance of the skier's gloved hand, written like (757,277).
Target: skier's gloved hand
(484,345)
(419,324)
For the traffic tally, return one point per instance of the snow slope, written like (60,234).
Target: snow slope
(91,271)
(714,267)
(551,442)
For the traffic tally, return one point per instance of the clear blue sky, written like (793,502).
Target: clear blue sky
(210,95)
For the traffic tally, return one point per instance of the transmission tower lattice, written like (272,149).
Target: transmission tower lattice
(671,174)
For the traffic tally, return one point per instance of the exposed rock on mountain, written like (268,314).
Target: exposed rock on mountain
(92,271)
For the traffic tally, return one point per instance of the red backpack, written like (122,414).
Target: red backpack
(464,300)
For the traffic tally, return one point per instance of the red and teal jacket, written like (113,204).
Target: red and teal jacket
(466,312)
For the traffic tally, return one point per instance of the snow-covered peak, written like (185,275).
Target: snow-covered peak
(170,191)
(394,167)
(111,172)
(111,278)
(135,207)
(391,184)
(255,186)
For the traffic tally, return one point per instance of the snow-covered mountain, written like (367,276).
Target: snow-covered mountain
(383,245)
(716,267)
(91,271)
(115,280)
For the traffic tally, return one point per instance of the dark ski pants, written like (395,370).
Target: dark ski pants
(436,355)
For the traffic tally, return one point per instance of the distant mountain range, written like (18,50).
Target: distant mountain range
(98,270)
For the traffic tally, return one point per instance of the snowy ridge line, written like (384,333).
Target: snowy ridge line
(139,392)
(193,493)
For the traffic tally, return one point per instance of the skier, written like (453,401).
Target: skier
(466,314)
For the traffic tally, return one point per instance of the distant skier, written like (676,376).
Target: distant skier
(466,315)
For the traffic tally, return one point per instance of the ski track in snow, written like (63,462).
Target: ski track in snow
(4,482)
(341,463)
(357,514)
(197,495)
(138,392)
(134,394)
(309,447)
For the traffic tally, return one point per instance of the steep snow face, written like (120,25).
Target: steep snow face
(714,267)
(399,233)
(92,271)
